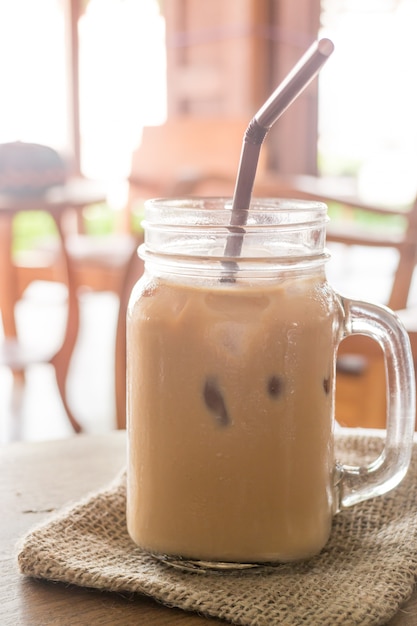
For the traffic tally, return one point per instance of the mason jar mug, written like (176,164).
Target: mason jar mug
(231,386)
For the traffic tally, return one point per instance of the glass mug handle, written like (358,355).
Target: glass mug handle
(358,483)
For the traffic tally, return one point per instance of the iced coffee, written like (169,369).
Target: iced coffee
(230,392)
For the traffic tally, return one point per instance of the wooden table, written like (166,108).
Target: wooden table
(37,478)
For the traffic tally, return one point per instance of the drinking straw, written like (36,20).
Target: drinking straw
(295,82)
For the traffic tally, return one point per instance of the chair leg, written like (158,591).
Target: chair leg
(61,360)
(8,288)
(133,273)
(61,379)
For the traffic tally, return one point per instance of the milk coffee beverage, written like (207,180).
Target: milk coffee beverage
(230,403)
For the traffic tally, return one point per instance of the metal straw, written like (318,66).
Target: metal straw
(296,81)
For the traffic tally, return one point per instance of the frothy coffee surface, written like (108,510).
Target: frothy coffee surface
(230,419)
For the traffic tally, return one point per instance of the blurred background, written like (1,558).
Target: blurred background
(109,84)
(221,61)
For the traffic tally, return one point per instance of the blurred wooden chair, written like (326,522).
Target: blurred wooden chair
(110,263)
(347,231)
(34,177)
(76,259)
(361,399)
(98,264)
(186,155)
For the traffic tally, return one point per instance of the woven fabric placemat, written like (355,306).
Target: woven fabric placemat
(365,572)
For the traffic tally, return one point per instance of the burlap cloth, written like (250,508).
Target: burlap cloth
(361,577)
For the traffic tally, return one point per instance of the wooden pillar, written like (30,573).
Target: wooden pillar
(226,58)
(74,11)
(216,56)
(292,143)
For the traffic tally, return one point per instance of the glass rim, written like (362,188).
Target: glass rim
(257,204)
